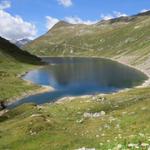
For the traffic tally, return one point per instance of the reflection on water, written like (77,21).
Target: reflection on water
(79,76)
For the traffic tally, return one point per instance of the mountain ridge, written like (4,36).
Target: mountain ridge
(121,18)
(125,39)
(11,50)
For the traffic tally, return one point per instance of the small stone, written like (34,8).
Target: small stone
(97,136)
(144,144)
(101,144)
(119,146)
(123,113)
(131,145)
(83,148)
(108,141)
(48,120)
(117,126)
(35,115)
(137,147)
(141,134)
(143,108)
(94,115)
(80,121)
(93,98)
(103,113)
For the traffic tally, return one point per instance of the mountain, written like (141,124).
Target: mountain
(22,42)
(9,50)
(62,24)
(122,38)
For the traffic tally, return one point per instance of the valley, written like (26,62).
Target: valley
(110,121)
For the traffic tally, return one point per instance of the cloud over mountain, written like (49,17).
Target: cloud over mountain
(50,22)
(77,20)
(115,14)
(144,10)
(14,27)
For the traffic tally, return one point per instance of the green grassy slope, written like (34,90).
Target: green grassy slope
(125,36)
(14,53)
(13,62)
(64,126)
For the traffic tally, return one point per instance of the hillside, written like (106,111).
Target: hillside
(126,39)
(13,62)
(116,121)
(9,50)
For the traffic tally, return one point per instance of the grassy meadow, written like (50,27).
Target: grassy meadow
(124,123)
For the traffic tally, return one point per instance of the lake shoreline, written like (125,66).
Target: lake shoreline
(44,89)
(145,84)
(113,59)
(40,90)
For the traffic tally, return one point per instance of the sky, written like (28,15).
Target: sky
(21,19)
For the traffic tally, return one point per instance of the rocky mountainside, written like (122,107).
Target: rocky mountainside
(22,42)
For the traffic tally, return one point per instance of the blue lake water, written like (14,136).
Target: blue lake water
(80,76)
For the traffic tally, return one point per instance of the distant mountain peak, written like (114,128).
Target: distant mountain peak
(124,19)
(22,42)
(144,13)
(61,24)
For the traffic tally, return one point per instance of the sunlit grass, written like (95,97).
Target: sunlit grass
(63,125)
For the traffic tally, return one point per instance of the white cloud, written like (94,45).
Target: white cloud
(5,4)
(77,20)
(144,10)
(119,14)
(50,22)
(115,14)
(14,27)
(106,17)
(65,3)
